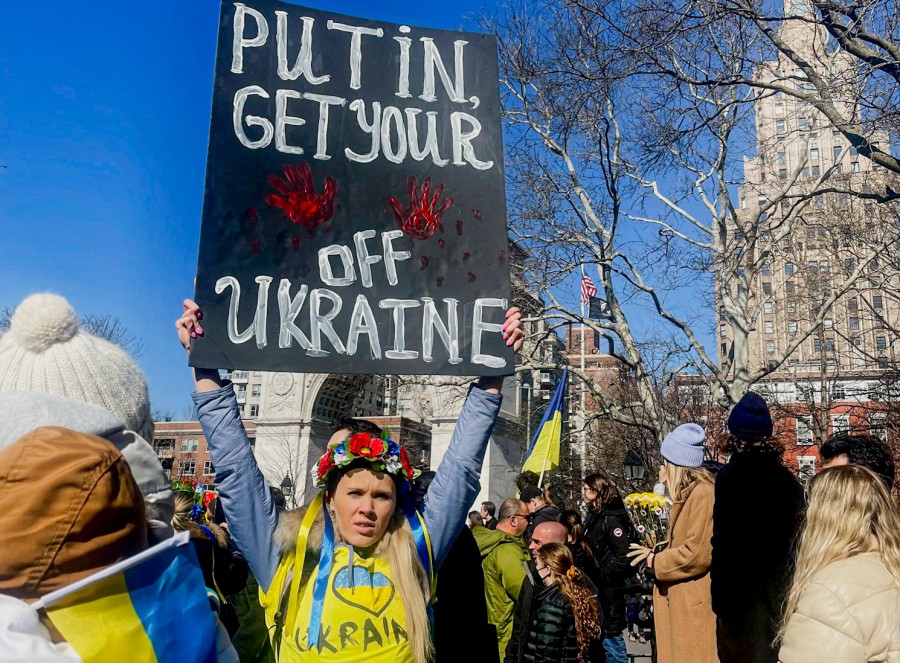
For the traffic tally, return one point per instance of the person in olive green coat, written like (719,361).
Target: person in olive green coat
(503,557)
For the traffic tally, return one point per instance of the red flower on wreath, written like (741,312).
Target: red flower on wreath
(365,445)
(407,466)
(326,463)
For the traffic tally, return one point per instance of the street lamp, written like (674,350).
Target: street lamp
(287,486)
(634,466)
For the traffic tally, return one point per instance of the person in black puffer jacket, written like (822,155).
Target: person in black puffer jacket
(607,531)
(540,508)
(565,623)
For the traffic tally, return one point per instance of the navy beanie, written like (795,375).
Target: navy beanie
(750,419)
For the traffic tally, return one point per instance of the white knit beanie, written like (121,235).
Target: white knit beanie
(46,351)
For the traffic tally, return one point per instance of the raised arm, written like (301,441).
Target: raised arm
(457,480)
(243,491)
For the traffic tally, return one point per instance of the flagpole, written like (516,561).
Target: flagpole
(543,469)
(583,445)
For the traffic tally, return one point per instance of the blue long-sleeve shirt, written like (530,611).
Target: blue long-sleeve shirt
(252,517)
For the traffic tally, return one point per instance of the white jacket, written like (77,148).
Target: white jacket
(850,613)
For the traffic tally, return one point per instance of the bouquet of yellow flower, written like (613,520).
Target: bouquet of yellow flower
(647,511)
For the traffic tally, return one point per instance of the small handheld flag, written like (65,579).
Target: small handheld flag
(543,453)
(150,608)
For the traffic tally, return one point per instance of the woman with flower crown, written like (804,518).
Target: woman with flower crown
(349,576)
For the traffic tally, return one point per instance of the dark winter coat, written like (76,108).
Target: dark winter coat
(527,604)
(461,623)
(224,569)
(551,636)
(606,531)
(491,523)
(546,514)
(757,513)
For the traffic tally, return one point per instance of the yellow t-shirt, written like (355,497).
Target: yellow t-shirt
(362,615)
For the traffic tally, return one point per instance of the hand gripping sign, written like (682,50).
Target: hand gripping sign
(354,214)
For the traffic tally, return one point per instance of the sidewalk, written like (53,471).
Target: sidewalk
(637,652)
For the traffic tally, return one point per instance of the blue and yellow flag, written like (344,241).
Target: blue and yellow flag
(543,454)
(151,608)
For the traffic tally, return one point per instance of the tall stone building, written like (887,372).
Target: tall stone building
(804,174)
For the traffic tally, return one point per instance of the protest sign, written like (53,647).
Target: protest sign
(354,216)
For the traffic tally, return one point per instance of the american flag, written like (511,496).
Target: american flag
(588,289)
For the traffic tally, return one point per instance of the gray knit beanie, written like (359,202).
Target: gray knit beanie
(684,446)
(46,351)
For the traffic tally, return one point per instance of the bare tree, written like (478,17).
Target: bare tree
(620,162)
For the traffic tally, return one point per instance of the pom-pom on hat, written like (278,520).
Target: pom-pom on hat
(46,351)
(750,419)
(684,446)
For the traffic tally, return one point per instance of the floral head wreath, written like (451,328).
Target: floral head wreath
(382,453)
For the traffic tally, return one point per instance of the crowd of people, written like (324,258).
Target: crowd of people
(387,563)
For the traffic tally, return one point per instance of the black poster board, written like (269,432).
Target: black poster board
(354,215)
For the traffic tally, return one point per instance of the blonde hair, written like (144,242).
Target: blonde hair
(398,548)
(573,584)
(181,520)
(679,478)
(850,512)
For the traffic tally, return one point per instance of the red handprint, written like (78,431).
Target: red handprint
(298,199)
(420,220)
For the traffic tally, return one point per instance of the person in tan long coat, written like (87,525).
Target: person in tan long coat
(682,602)
(844,602)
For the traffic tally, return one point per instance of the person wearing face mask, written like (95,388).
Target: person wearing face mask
(349,576)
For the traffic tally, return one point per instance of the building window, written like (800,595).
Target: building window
(256,389)
(779,126)
(814,154)
(829,345)
(852,304)
(881,342)
(242,390)
(877,302)
(838,169)
(854,324)
(723,349)
(791,307)
(882,363)
(817,345)
(813,264)
(782,173)
(788,269)
(854,166)
(836,152)
(723,332)
(254,410)
(804,172)
(828,323)
(803,123)
(186,468)
(770,347)
(804,435)
(782,158)
(767,288)
(853,150)
(767,307)
(769,327)
(208,468)
(840,423)
(816,171)
(779,109)
(189,445)
(792,326)
(806,466)
(789,287)
(838,392)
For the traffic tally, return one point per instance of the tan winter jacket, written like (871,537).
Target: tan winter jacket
(848,614)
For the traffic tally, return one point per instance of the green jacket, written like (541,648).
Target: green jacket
(502,559)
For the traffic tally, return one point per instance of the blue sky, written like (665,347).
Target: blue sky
(104,118)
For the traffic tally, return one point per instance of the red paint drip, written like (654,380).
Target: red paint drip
(439,281)
(424,262)
(255,246)
(476,213)
(251,215)
(459,225)
(295,242)
(471,277)
(466,255)
(442,243)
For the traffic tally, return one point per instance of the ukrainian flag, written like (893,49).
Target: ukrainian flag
(543,454)
(149,608)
